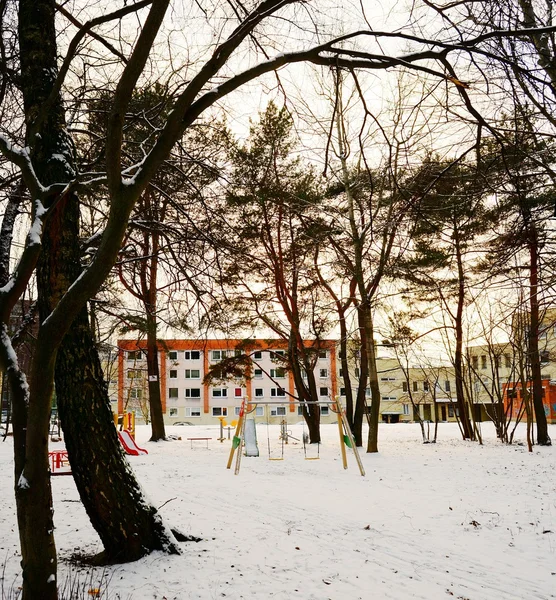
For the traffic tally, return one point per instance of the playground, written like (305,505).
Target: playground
(427,521)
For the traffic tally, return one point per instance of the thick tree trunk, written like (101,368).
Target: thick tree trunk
(543,439)
(32,485)
(128,526)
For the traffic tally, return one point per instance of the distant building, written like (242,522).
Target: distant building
(183,365)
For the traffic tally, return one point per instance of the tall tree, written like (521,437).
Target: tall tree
(270,205)
(448,221)
(45,159)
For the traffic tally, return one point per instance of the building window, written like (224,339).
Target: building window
(192,411)
(341,373)
(357,372)
(323,354)
(257,355)
(134,355)
(368,392)
(425,386)
(483,361)
(192,374)
(278,411)
(389,398)
(475,362)
(192,355)
(259,392)
(259,411)
(172,392)
(278,373)
(218,355)
(219,411)
(404,386)
(238,392)
(415,386)
(258,373)
(405,408)
(387,379)
(135,393)
(173,412)
(447,387)
(342,391)
(173,355)
(277,354)
(193,392)
(277,392)
(544,356)
(134,374)
(508,360)
(324,411)
(450,410)
(173,374)
(219,392)
(323,373)
(323,391)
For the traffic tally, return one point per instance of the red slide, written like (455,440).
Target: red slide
(129,443)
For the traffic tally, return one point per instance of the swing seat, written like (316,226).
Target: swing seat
(271,458)
(312,458)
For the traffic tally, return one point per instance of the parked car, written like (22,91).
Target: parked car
(182,423)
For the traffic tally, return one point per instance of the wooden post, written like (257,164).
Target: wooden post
(237,434)
(341,432)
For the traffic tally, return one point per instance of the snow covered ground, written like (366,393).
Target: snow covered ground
(449,520)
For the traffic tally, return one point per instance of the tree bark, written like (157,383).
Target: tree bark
(127,525)
(543,439)
(158,431)
(467,430)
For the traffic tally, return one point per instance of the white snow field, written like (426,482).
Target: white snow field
(448,520)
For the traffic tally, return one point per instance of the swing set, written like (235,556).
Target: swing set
(344,432)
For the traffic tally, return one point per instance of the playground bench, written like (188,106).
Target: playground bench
(199,439)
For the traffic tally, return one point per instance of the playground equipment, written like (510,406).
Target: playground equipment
(129,444)
(59,462)
(346,437)
(125,421)
(250,440)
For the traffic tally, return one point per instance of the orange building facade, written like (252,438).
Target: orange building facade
(513,400)
(183,365)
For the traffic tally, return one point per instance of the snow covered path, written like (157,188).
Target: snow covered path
(450,520)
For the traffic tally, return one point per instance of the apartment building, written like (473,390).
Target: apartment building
(187,396)
(411,393)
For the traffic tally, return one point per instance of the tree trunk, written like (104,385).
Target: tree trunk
(155,401)
(543,439)
(467,430)
(360,402)
(374,416)
(128,526)
(307,391)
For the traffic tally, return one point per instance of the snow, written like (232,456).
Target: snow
(429,521)
(23,484)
